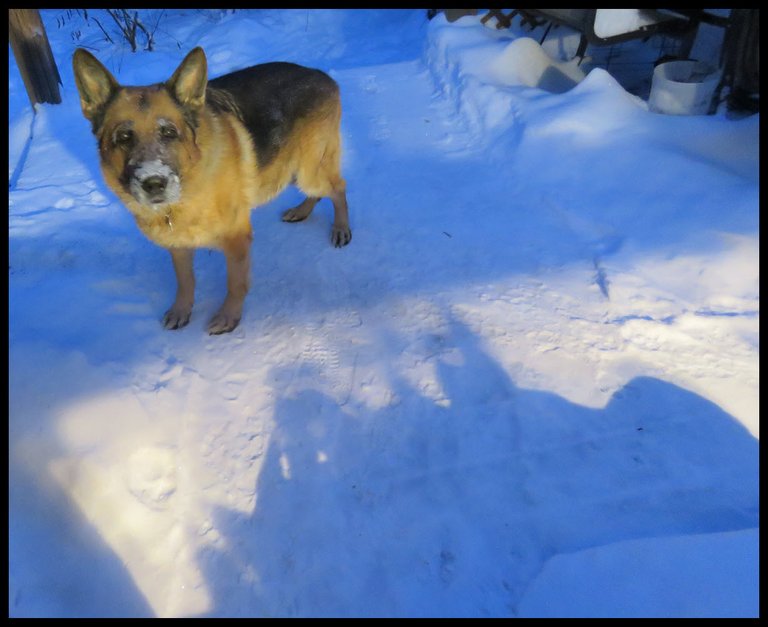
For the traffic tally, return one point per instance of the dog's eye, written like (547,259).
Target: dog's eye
(168,132)
(124,136)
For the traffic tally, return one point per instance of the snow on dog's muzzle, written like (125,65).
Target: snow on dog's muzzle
(154,183)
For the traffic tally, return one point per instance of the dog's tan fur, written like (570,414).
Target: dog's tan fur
(220,174)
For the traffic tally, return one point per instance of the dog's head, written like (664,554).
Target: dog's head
(147,135)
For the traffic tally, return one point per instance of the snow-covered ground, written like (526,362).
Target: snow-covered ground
(528,387)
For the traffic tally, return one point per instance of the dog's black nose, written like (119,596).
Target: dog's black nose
(154,184)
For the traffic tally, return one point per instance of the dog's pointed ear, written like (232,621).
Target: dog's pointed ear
(94,83)
(190,79)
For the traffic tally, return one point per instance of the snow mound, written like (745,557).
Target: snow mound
(593,109)
(483,69)
(704,575)
(524,62)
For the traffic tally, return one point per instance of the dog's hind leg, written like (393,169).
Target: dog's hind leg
(325,182)
(341,234)
(302,211)
(237,251)
(178,315)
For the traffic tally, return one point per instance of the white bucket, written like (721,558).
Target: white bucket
(683,87)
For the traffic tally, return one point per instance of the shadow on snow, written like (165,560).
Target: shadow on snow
(419,509)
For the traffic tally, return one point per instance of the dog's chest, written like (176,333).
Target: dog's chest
(172,228)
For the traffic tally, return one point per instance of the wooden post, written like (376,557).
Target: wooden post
(33,55)
(454,14)
(741,60)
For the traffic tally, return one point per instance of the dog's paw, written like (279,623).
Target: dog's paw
(223,322)
(297,214)
(340,236)
(177,317)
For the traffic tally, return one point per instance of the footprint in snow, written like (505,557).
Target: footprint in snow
(152,475)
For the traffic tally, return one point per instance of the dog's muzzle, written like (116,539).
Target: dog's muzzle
(154,183)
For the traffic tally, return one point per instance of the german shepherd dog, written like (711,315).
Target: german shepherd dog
(191,157)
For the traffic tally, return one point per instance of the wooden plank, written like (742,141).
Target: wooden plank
(33,55)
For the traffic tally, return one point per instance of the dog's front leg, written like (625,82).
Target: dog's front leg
(237,250)
(178,315)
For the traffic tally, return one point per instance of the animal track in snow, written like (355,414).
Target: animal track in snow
(151,476)
(370,84)
(381,130)
(231,387)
